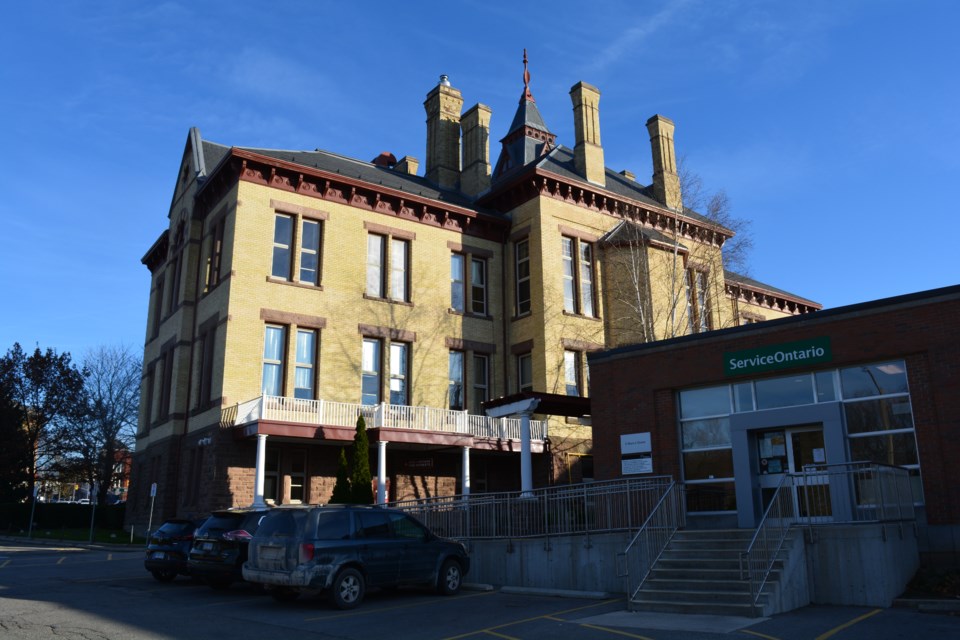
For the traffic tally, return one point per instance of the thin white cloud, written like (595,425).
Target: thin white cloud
(635,36)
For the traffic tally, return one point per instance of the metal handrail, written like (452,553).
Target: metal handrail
(587,508)
(761,554)
(652,539)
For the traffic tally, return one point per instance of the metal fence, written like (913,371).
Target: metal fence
(636,561)
(595,507)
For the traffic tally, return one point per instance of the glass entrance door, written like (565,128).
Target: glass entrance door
(798,451)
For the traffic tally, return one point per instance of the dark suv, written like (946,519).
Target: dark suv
(345,549)
(168,547)
(220,545)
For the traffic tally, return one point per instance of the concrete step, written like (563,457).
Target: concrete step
(705,564)
(701,608)
(660,572)
(735,586)
(708,543)
(649,594)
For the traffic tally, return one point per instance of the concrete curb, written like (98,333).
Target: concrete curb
(47,542)
(559,593)
(476,586)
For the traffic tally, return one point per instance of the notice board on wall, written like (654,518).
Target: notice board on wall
(636,453)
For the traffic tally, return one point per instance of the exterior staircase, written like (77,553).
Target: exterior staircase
(699,572)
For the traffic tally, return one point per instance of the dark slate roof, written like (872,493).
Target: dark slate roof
(518,149)
(626,231)
(350,168)
(733,277)
(527,115)
(560,161)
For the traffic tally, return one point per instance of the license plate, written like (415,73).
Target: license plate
(158,555)
(208,546)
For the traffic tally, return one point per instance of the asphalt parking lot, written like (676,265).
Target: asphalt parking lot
(104,593)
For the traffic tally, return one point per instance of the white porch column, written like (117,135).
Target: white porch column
(465,482)
(526,462)
(525,409)
(261,465)
(381,472)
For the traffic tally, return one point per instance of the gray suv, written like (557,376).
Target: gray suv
(344,549)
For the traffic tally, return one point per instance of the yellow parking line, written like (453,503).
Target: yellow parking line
(759,635)
(616,631)
(109,557)
(60,561)
(400,606)
(843,626)
(546,615)
(500,635)
(6,562)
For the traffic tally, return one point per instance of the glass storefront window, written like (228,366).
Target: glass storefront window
(708,465)
(712,432)
(873,380)
(711,401)
(787,391)
(711,496)
(893,448)
(885,414)
(743,397)
(826,389)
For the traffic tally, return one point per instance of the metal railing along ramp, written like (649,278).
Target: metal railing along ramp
(594,507)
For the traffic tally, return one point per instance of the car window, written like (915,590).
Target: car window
(221,523)
(176,528)
(333,525)
(281,523)
(373,524)
(406,527)
(253,520)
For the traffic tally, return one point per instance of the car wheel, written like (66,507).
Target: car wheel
(164,575)
(283,594)
(450,578)
(220,583)
(348,589)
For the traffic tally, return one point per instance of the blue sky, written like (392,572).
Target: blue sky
(833,126)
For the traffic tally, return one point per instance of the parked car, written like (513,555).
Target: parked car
(168,548)
(343,550)
(220,546)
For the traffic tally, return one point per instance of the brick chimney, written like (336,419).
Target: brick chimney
(666,182)
(407,164)
(587,153)
(475,177)
(443,106)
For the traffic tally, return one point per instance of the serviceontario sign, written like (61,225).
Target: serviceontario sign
(778,356)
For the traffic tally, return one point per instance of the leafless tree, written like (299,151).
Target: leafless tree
(95,444)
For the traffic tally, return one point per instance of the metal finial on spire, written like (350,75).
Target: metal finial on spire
(526,80)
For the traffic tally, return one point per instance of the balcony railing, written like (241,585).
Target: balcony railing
(383,415)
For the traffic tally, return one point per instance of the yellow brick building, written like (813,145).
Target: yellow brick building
(295,290)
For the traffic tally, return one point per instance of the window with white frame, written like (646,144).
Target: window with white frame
(399,373)
(697,294)
(571,373)
(478,285)
(388,272)
(525,372)
(399,270)
(457,282)
(310,252)
(298,476)
(282,246)
(305,372)
(370,377)
(480,381)
(455,388)
(522,270)
(577,273)
(376,258)
(274,345)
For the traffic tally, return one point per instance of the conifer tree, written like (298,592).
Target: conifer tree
(341,490)
(360,480)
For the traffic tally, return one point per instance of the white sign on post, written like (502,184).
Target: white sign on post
(153,490)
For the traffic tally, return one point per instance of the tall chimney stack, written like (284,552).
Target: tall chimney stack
(443,106)
(666,182)
(475,177)
(587,153)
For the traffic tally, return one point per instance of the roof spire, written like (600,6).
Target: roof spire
(526,80)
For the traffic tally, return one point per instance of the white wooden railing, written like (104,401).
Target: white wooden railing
(344,414)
